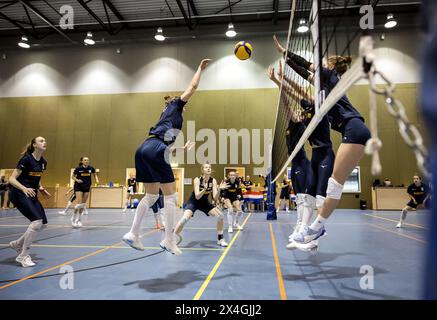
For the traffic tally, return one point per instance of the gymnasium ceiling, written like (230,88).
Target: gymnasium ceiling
(132,21)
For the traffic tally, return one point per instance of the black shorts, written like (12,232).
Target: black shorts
(285,194)
(159,204)
(231,196)
(300,175)
(150,163)
(355,131)
(413,205)
(204,206)
(80,187)
(31,208)
(322,165)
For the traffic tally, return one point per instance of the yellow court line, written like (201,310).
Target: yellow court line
(66,263)
(219,262)
(387,219)
(112,247)
(96,226)
(278,266)
(397,233)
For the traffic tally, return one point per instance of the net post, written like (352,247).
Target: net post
(271,196)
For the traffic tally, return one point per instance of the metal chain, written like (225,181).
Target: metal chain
(408,131)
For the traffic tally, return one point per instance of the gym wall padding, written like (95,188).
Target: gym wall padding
(108,128)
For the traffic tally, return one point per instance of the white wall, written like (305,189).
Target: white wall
(167,67)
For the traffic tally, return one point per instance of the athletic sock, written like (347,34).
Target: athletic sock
(170,214)
(230,218)
(318,223)
(146,202)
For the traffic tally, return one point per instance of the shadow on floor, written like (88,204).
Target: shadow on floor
(359,295)
(173,281)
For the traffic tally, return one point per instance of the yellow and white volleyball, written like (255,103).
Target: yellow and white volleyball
(243,50)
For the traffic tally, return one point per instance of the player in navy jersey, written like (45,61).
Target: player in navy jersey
(284,196)
(343,118)
(419,195)
(26,182)
(232,195)
(131,190)
(309,179)
(199,200)
(82,186)
(154,170)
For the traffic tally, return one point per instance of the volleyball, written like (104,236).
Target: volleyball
(243,50)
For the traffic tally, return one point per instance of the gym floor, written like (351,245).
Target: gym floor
(256,265)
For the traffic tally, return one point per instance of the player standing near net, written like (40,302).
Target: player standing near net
(343,118)
(300,165)
(322,160)
(154,170)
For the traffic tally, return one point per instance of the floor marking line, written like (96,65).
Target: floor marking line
(219,262)
(97,226)
(397,233)
(277,265)
(66,263)
(405,223)
(66,246)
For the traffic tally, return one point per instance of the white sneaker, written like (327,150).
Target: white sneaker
(170,247)
(124,210)
(133,241)
(62,213)
(230,230)
(14,245)
(238,227)
(79,224)
(222,243)
(73,223)
(85,212)
(25,261)
(399,225)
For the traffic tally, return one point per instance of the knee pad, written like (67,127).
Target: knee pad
(300,198)
(320,200)
(334,189)
(309,201)
(36,225)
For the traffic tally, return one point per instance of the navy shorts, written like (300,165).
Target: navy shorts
(31,208)
(150,163)
(355,131)
(322,165)
(413,205)
(159,204)
(232,197)
(204,206)
(284,194)
(300,175)
(80,187)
